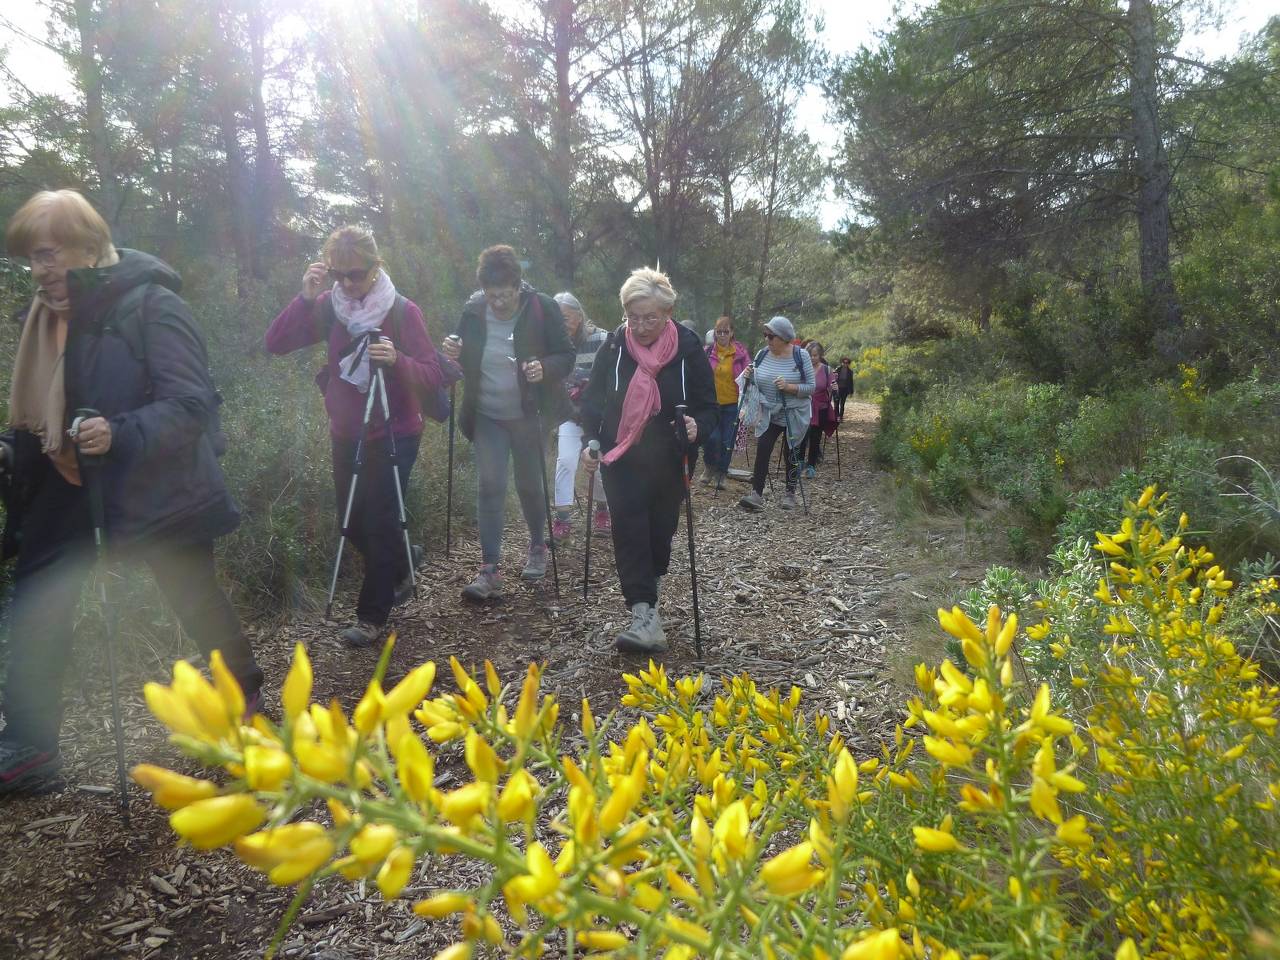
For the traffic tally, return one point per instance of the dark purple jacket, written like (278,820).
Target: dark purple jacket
(416,370)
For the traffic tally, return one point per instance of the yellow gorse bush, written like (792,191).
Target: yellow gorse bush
(1123,808)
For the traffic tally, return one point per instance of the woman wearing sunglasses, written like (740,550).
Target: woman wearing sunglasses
(728,358)
(648,367)
(366,324)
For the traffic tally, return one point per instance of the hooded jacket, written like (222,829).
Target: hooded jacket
(685,380)
(134,354)
(539,335)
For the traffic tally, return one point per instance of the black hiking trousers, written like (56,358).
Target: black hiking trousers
(764,455)
(56,557)
(645,494)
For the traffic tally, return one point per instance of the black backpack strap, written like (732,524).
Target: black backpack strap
(795,357)
(759,356)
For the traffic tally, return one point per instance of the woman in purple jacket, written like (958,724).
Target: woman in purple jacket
(365,322)
(823,406)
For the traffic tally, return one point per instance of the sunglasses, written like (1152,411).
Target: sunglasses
(771,336)
(352,276)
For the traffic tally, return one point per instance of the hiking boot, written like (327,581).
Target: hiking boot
(26,770)
(535,568)
(788,500)
(722,480)
(404,589)
(752,501)
(601,522)
(645,635)
(361,635)
(810,472)
(560,530)
(486,586)
(708,477)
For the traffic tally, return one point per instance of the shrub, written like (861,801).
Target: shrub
(1122,805)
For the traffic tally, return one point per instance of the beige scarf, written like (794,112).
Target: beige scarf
(37,394)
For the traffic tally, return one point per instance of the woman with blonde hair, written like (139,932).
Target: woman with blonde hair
(649,366)
(106,331)
(365,323)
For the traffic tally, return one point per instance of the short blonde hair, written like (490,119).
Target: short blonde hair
(352,243)
(66,216)
(648,284)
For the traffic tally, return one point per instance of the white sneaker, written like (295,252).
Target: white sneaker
(645,635)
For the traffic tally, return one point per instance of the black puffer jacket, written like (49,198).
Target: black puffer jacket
(539,335)
(685,380)
(134,354)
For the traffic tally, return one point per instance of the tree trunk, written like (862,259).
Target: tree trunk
(563,255)
(726,237)
(264,167)
(89,72)
(1154,179)
(758,303)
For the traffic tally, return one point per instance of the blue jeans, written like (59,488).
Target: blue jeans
(718,447)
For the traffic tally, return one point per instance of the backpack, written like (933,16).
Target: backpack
(795,356)
(433,403)
(133,305)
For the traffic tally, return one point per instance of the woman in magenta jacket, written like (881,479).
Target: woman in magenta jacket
(823,415)
(364,322)
(728,358)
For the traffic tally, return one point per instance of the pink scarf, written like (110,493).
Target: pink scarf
(643,399)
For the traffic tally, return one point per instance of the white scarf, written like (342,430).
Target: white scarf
(361,318)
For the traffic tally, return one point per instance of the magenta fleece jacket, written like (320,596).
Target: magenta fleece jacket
(417,368)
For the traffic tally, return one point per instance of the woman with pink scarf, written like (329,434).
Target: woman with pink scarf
(647,367)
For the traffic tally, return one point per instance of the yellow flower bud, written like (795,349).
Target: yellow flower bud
(214,822)
(935,841)
(602,939)
(458,951)
(395,872)
(481,758)
(884,945)
(368,712)
(409,693)
(731,831)
(373,842)
(1128,950)
(266,768)
(442,904)
(460,806)
(227,685)
(171,790)
(415,768)
(516,799)
(1074,833)
(789,872)
(296,692)
(289,853)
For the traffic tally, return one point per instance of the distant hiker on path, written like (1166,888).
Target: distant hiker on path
(728,358)
(515,355)
(587,339)
(844,385)
(364,322)
(649,365)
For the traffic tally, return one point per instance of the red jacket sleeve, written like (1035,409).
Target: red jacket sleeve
(417,365)
(296,326)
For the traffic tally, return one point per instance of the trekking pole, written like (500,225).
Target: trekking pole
(593,451)
(90,470)
(380,379)
(837,450)
(351,496)
(546,498)
(448,497)
(682,433)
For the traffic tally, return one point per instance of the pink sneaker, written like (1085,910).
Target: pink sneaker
(601,522)
(560,530)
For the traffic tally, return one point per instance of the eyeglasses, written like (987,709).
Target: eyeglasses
(647,320)
(351,276)
(501,294)
(724,333)
(771,336)
(45,256)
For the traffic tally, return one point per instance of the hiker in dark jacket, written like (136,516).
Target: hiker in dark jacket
(108,331)
(364,321)
(515,355)
(649,365)
(844,385)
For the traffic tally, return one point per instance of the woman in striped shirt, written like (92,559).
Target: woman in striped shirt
(587,339)
(784,374)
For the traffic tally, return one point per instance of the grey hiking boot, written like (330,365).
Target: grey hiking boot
(752,501)
(722,480)
(361,635)
(788,500)
(535,568)
(486,586)
(27,770)
(645,635)
(708,477)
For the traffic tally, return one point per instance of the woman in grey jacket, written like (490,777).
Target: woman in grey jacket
(784,374)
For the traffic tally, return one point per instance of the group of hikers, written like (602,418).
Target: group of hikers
(114,436)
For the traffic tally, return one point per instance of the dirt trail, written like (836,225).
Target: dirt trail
(786,597)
